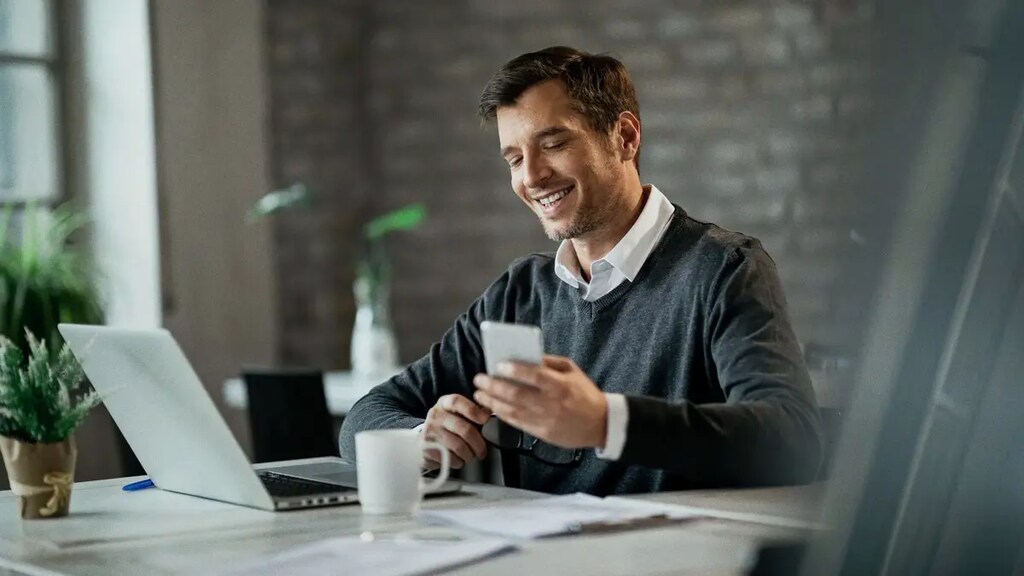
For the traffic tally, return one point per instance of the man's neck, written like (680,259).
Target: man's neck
(599,243)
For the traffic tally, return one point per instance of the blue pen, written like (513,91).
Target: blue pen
(140,485)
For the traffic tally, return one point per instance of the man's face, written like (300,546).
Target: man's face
(565,171)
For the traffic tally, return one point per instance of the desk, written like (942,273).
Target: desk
(342,389)
(201,536)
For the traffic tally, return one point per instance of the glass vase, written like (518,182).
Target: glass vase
(374,347)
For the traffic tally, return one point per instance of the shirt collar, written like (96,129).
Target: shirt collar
(629,255)
(567,265)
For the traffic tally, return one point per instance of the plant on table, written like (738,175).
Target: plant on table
(42,400)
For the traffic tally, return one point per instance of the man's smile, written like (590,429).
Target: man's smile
(550,203)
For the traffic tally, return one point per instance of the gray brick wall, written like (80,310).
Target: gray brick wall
(751,115)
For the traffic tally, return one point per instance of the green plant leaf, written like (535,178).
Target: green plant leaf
(405,218)
(280,200)
(44,401)
(44,280)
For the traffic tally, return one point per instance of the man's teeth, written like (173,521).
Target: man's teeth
(549,200)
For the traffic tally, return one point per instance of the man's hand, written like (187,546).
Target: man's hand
(454,422)
(554,401)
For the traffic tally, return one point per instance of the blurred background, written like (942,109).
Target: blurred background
(166,120)
(875,147)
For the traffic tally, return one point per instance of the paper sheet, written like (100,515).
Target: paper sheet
(749,517)
(554,515)
(387,555)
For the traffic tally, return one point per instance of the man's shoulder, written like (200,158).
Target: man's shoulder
(715,244)
(525,279)
(532,267)
(531,263)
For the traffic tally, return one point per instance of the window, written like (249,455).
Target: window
(30,103)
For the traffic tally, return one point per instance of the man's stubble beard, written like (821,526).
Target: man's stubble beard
(583,222)
(587,219)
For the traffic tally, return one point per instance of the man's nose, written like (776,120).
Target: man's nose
(536,171)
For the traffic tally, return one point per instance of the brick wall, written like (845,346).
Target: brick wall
(750,116)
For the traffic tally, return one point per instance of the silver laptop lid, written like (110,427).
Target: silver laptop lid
(165,414)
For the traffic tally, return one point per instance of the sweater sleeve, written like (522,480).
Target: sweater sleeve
(768,430)
(448,368)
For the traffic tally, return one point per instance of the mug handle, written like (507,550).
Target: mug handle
(442,476)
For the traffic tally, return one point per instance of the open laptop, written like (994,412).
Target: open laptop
(172,425)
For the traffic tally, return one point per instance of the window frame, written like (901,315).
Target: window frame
(55,65)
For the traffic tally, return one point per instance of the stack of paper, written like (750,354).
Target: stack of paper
(379,555)
(559,515)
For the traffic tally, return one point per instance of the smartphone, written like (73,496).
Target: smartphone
(517,342)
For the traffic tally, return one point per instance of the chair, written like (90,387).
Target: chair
(288,415)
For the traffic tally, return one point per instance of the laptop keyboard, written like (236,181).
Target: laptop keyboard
(283,486)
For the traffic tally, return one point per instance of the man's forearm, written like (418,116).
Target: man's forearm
(762,442)
(377,410)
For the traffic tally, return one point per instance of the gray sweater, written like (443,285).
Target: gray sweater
(700,343)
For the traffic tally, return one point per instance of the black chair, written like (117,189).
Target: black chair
(288,415)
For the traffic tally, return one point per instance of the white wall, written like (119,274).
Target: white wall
(119,161)
(111,170)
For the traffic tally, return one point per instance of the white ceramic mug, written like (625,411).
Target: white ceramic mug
(389,470)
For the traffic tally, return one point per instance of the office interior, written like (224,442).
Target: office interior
(874,147)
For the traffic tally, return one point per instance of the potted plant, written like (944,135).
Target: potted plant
(374,347)
(374,350)
(43,281)
(42,401)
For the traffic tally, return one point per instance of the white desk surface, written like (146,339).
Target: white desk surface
(111,532)
(341,388)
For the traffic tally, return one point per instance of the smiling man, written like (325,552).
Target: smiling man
(672,362)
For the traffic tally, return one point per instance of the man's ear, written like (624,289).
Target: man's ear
(627,136)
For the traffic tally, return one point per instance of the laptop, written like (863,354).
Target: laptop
(172,425)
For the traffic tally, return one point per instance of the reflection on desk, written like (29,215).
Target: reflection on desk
(157,532)
(342,388)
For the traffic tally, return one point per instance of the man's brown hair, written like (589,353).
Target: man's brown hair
(599,85)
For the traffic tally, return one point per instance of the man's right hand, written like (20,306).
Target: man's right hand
(454,422)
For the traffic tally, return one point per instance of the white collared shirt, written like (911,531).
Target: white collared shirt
(621,264)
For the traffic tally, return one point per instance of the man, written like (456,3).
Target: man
(672,363)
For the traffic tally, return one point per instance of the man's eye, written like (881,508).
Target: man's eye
(515,162)
(554,145)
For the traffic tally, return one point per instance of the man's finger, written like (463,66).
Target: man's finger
(559,363)
(465,407)
(458,447)
(508,412)
(543,378)
(513,393)
(511,415)
(520,372)
(469,433)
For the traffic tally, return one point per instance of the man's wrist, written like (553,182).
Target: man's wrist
(601,436)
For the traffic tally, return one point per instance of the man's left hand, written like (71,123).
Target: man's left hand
(554,401)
